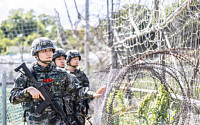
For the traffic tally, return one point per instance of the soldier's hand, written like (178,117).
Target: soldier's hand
(36,94)
(99,92)
(96,95)
(84,110)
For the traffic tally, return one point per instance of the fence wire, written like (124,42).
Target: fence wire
(156,79)
(13,112)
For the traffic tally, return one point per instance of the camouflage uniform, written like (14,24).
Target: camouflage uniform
(55,80)
(80,104)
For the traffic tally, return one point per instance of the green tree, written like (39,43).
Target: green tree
(25,27)
(46,25)
(19,23)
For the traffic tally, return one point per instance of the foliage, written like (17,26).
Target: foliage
(143,110)
(160,106)
(120,100)
(124,118)
(44,23)
(29,39)
(21,27)
(117,109)
(153,110)
(116,106)
(109,102)
(19,23)
(6,42)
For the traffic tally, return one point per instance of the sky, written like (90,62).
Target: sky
(96,7)
(47,7)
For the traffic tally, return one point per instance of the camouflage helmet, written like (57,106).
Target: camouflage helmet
(71,54)
(59,52)
(41,44)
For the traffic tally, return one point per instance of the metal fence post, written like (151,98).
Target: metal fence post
(4,98)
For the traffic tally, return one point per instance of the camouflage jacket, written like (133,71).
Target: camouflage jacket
(81,77)
(57,81)
(82,103)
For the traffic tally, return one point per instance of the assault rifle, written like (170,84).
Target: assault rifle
(49,101)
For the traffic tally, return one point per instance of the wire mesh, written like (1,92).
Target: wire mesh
(14,112)
(156,80)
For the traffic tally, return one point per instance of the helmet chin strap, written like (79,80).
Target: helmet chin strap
(45,62)
(75,66)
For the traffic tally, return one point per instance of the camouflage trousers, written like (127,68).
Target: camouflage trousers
(81,118)
(41,119)
(45,122)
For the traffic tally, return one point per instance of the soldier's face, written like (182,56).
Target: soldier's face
(60,61)
(46,55)
(74,61)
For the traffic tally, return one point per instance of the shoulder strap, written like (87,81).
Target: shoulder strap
(33,72)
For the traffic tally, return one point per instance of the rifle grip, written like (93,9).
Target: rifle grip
(35,100)
(41,107)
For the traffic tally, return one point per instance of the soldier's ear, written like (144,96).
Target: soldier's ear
(36,55)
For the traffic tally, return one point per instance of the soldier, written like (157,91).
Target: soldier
(81,106)
(56,80)
(59,57)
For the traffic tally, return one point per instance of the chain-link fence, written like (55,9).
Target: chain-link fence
(11,114)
